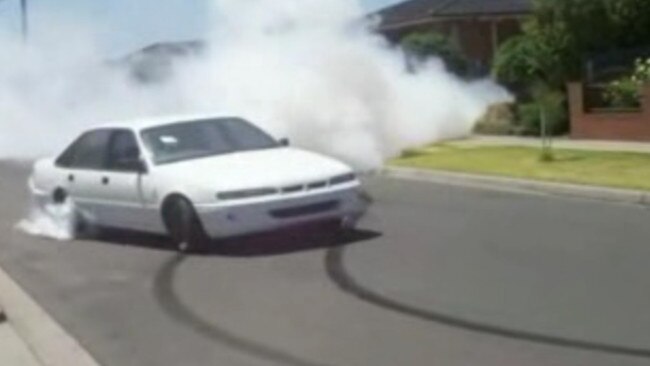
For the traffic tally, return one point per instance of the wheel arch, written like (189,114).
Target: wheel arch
(168,199)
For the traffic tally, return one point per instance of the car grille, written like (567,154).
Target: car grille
(311,209)
(317,185)
(246,193)
(337,180)
(342,179)
(293,189)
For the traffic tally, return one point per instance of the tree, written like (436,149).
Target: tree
(560,34)
(535,63)
(534,57)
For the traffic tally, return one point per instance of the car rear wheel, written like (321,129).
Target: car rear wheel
(184,226)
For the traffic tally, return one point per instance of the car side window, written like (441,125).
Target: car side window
(66,159)
(88,152)
(123,152)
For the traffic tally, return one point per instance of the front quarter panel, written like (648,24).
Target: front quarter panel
(169,183)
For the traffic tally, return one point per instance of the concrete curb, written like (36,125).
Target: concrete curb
(49,342)
(521,185)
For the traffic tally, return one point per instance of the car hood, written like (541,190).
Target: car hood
(254,169)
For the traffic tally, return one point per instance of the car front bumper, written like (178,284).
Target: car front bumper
(234,220)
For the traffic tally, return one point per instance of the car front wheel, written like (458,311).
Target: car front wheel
(184,226)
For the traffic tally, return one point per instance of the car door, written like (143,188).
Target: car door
(82,165)
(121,183)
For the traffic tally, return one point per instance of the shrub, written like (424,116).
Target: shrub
(498,120)
(626,91)
(551,105)
(411,153)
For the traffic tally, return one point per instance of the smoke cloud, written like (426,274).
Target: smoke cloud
(310,70)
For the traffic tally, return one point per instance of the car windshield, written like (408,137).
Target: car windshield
(192,140)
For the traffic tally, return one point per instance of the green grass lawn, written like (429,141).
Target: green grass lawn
(613,169)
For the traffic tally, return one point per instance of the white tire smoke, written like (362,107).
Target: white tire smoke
(50,220)
(310,70)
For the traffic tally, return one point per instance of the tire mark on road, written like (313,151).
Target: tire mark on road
(177,310)
(337,273)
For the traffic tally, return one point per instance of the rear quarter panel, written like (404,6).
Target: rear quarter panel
(46,177)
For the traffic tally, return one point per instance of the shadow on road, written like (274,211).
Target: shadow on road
(130,238)
(288,241)
(272,244)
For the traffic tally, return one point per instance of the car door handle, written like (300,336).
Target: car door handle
(71,178)
(105,180)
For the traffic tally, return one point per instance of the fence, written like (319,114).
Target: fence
(588,122)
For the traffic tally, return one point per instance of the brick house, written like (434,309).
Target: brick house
(477,27)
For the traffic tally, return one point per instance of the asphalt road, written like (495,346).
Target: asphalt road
(439,275)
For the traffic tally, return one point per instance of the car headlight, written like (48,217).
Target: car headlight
(343,178)
(246,193)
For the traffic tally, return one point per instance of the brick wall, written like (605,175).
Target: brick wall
(601,125)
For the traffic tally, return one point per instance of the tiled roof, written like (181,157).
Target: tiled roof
(487,7)
(418,10)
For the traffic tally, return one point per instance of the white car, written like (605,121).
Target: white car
(195,179)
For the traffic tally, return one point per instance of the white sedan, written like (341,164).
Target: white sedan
(195,179)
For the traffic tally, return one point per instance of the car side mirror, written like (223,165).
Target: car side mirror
(140,166)
(284,142)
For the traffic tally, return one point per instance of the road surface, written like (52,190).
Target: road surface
(438,275)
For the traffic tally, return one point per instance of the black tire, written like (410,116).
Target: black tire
(184,227)
(81,227)
(86,229)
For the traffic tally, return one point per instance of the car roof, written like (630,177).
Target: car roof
(148,122)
